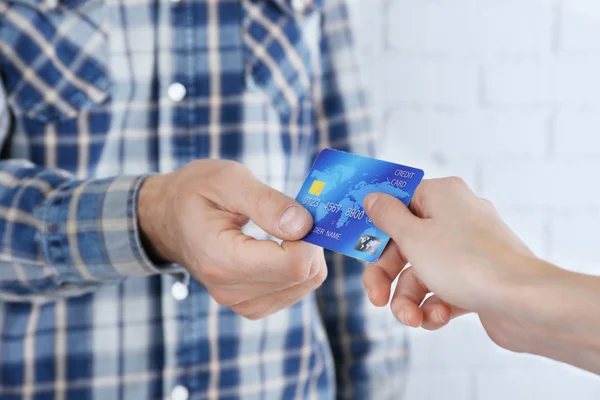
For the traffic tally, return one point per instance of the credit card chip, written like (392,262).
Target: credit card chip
(316,188)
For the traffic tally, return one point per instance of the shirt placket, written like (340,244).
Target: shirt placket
(190,107)
(177,147)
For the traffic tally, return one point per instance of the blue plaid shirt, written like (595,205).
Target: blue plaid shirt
(95,95)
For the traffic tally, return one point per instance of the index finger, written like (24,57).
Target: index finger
(268,261)
(272,210)
(379,276)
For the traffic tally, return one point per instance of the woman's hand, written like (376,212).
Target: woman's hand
(459,248)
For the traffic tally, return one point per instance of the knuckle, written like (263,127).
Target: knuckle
(243,309)
(233,168)
(299,272)
(214,274)
(267,202)
(300,264)
(197,164)
(321,276)
(230,172)
(224,298)
(322,268)
(457,182)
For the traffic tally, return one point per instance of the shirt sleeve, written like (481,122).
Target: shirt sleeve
(368,344)
(64,237)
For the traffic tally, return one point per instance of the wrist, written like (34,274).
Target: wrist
(151,219)
(522,292)
(547,306)
(552,313)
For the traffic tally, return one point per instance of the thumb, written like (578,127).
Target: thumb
(273,211)
(391,216)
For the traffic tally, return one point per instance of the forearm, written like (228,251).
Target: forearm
(63,236)
(557,315)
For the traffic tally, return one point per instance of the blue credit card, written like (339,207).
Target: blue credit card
(334,192)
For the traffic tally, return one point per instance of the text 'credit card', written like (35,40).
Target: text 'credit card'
(334,194)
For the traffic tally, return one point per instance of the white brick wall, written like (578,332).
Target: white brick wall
(471,28)
(505,93)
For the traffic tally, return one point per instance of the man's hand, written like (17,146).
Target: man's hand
(194,217)
(459,249)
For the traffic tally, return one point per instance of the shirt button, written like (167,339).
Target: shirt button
(179,291)
(180,393)
(51,4)
(300,6)
(176,92)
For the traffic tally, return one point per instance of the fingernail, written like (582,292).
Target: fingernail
(438,315)
(402,317)
(370,200)
(293,219)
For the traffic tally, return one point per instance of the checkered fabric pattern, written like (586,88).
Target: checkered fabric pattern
(97,94)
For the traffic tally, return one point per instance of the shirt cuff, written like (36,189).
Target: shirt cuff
(90,232)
